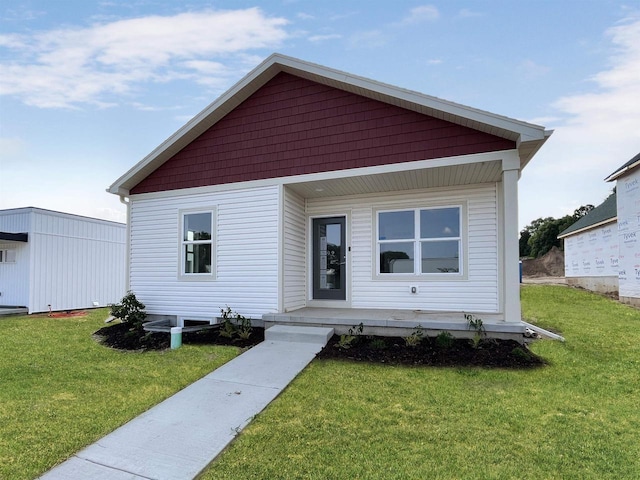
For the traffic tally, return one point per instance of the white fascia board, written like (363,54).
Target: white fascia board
(622,172)
(590,227)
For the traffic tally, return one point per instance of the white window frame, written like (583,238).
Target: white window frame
(182,243)
(418,241)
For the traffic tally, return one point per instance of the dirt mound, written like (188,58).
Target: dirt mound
(550,264)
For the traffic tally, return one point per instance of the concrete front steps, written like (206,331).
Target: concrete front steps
(300,334)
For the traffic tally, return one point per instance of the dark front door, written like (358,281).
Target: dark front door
(329,258)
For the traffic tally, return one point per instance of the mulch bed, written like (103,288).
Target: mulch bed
(385,350)
(123,337)
(394,351)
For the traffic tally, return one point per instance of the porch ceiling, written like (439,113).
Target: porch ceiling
(467,174)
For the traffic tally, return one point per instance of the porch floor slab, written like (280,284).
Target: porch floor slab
(181,436)
(390,319)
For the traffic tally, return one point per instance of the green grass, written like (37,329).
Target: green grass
(60,390)
(577,418)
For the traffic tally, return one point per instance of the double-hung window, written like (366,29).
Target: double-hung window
(420,241)
(197,244)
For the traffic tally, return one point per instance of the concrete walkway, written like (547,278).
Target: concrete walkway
(181,436)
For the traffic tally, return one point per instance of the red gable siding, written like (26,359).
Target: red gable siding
(292,126)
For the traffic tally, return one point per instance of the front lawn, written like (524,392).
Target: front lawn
(60,390)
(578,417)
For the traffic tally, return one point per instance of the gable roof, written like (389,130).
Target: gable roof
(627,167)
(604,213)
(528,137)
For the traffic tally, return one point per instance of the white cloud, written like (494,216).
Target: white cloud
(370,39)
(466,13)
(424,13)
(12,151)
(72,66)
(322,38)
(531,69)
(598,133)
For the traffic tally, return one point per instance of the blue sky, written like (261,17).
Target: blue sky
(87,89)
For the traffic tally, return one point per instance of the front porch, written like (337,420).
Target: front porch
(397,322)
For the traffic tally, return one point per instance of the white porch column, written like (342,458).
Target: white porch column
(510,250)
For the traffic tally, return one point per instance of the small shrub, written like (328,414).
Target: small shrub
(245,328)
(234,324)
(347,340)
(228,329)
(377,344)
(444,340)
(129,310)
(521,353)
(415,338)
(475,323)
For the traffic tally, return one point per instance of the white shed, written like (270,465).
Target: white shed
(58,261)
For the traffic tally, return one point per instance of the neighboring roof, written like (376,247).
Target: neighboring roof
(14,237)
(627,167)
(606,212)
(11,211)
(528,137)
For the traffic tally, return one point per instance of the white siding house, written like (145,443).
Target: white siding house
(627,179)
(304,188)
(53,260)
(591,249)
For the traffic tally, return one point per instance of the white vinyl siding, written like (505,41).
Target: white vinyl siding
(477,290)
(246,254)
(295,255)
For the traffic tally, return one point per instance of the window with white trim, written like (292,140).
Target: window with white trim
(7,255)
(421,241)
(197,245)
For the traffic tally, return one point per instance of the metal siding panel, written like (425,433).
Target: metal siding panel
(246,250)
(77,261)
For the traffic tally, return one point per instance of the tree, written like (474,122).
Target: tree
(525,249)
(582,211)
(546,236)
(541,235)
